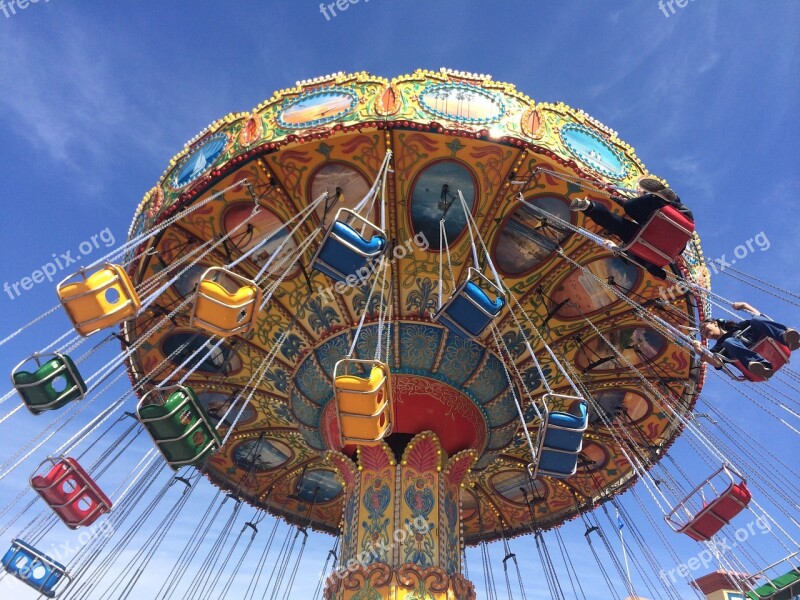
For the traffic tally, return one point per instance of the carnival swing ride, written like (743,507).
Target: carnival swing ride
(365,308)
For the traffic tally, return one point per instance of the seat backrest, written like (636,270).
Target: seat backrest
(663,237)
(55,382)
(223,312)
(354,383)
(38,570)
(776,353)
(344,232)
(104,298)
(677,217)
(481,298)
(215,290)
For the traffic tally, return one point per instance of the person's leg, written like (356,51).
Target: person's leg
(614,224)
(736,350)
(763,327)
(642,208)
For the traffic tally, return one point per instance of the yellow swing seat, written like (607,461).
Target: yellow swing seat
(225,312)
(364,404)
(103,299)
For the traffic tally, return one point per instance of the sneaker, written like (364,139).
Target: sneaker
(579,204)
(792,339)
(761,369)
(648,184)
(668,195)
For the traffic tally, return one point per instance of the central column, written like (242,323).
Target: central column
(401,526)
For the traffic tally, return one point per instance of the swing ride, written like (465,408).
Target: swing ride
(366,308)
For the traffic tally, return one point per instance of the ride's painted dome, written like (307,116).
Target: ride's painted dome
(492,143)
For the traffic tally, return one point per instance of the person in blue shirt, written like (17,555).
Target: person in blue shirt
(734,340)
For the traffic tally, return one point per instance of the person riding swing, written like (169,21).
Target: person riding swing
(736,341)
(654,196)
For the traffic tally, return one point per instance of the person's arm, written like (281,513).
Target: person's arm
(707,356)
(745,307)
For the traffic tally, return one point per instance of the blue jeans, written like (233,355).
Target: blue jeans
(737,349)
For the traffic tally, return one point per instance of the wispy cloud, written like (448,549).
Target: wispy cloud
(58,106)
(63,92)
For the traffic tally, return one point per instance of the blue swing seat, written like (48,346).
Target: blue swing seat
(469,310)
(345,255)
(560,440)
(30,566)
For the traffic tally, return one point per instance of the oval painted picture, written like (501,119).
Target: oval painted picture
(527,238)
(592,457)
(219,361)
(510,484)
(319,485)
(265,224)
(614,402)
(435,196)
(469,505)
(200,160)
(220,404)
(337,176)
(261,455)
(593,150)
(586,295)
(461,102)
(637,344)
(317,108)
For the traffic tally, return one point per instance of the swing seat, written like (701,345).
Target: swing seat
(223,312)
(661,240)
(34,568)
(100,300)
(780,588)
(71,493)
(364,404)
(470,310)
(775,586)
(179,425)
(344,254)
(776,353)
(52,385)
(715,514)
(560,439)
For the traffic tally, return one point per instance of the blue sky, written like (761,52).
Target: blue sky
(96,97)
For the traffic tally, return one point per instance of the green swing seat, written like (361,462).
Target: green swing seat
(179,425)
(53,384)
(785,587)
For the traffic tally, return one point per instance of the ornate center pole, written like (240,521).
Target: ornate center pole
(401,527)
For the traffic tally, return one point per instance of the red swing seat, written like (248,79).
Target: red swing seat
(715,514)
(661,240)
(776,353)
(71,493)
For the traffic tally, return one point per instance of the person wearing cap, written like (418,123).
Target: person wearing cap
(653,196)
(735,339)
